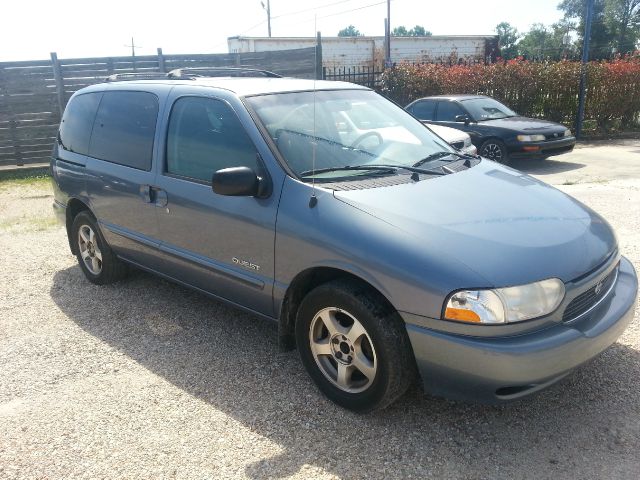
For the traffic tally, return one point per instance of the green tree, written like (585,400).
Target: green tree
(537,43)
(508,37)
(419,31)
(623,18)
(400,31)
(615,27)
(350,31)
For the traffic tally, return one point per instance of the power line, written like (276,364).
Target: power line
(311,9)
(354,9)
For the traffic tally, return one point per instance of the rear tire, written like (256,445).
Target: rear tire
(97,261)
(354,346)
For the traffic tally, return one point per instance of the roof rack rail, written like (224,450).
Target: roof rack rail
(220,72)
(119,77)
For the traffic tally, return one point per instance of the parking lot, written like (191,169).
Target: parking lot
(145,379)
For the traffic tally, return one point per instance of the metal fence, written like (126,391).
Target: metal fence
(362,75)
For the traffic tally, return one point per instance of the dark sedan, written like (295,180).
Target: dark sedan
(498,132)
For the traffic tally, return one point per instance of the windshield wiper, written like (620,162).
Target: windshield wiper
(437,155)
(378,168)
(411,168)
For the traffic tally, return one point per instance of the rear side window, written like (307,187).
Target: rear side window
(205,136)
(424,110)
(124,129)
(75,128)
(447,111)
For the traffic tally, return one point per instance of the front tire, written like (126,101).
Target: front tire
(354,346)
(96,259)
(495,150)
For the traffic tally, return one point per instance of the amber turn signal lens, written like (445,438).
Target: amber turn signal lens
(461,315)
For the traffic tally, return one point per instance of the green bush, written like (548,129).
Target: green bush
(545,90)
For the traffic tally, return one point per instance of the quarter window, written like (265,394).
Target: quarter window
(424,110)
(447,111)
(204,136)
(75,128)
(124,129)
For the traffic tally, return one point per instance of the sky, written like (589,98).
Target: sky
(31,29)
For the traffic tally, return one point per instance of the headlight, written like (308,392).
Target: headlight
(530,138)
(505,305)
(567,133)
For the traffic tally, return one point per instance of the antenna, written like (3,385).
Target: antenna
(313,201)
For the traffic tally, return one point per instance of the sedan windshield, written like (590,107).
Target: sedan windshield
(487,109)
(331,129)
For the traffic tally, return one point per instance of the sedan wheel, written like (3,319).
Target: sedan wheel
(494,150)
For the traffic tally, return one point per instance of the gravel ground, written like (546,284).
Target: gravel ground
(146,379)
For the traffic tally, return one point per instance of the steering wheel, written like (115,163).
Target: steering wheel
(364,136)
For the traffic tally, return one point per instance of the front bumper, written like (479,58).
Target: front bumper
(544,149)
(499,369)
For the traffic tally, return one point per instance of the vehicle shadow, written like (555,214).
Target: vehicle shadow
(545,167)
(230,360)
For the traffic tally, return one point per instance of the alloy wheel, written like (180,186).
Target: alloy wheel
(492,151)
(343,350)
(89,249)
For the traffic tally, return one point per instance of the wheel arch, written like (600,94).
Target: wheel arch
(74,207)
(302,284)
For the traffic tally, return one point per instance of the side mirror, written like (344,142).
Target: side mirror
(239,182)
(463,118)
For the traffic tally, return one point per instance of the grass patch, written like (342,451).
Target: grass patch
(37,177)
(27,176)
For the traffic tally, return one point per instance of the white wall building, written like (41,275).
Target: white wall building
(370,51)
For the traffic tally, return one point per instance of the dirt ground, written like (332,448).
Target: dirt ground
(145,379)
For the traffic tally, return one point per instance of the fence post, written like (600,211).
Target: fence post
(161,66)
(57,75)
(110,69)
(319,57)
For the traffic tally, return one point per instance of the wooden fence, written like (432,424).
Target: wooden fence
(33,94)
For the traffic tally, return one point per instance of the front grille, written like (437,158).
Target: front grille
(587,300)
(554,136)
(458,145)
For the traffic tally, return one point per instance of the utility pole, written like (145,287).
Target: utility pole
(583,67)
(387,34)
(268,9)
(133,53)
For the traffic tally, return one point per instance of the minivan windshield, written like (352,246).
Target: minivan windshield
(326,130)
(487,109)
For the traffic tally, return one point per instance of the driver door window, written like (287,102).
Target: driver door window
(447,112)
(204,136)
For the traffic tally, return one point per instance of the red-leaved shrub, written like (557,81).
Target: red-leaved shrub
(546,90)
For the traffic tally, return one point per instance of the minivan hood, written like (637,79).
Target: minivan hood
(525,124)
(508,227)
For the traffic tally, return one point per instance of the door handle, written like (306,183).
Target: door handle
(160,197)
(145,193)
(155,195)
